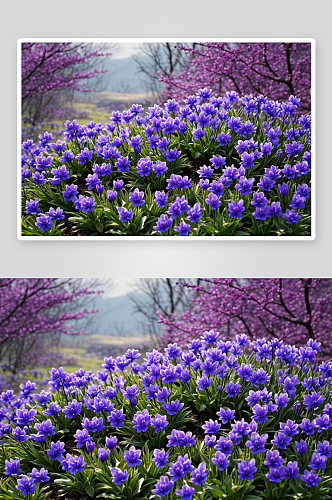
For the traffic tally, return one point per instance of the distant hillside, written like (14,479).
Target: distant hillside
(115,317)
(122,76)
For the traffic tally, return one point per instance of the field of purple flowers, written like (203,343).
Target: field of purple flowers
(213,167)
(235,420)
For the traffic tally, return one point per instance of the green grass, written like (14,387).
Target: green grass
(88,351)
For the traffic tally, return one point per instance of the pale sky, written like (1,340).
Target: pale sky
(126,49)
(122,287)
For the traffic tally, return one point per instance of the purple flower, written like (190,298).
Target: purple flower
(141,420)
(203,383)
(283,189)
(180,468)
(160,198)
(233,389)
(273,458)
(111,442)
(185,493)
(176,181)
(119,476)
(308,427)
(160,458)
(73,464)
(136,198)
(274,210)
(221,460)
(70,193)
(244,185)
(124,214)
(246,469)
(26,485)
(163,486)
(44,222)
(281,399)
(301,447)
(85,204)
(159,168)
(198,133)
(210,441)
(289,428)
(200,474)
(131,456)
(82,437)
(90,446)
(261,213)
(322,423)
(159,422)
(116,418)
(118,184)
(275,474)
(73,408)
(56,451)
(281,440)
(103,454)
(310,478)
(12,467)
(173,407)
(213,201)
(32,207)
(235,209)
(205,171)
(226,415)
(218,161)
(297,202)
(224,444)
(122,165)
(266,148)
(240,428)
(84,156)
(266,184)
(172,155)
(223,138)
(294,149)
(313,400)
(289,172)
(259,413)
(324,449)
(211,426)
(53,409)
(257,443)
(183,229)
(317,461)
(247,160)
(204,183)
(216,188)
(163,223)
(259,199)
(290,471)
(303,190)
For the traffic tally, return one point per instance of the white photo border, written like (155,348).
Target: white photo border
(312,236)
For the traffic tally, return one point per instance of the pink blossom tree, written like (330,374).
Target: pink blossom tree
(286,308)
(50,68)
(276,70)
(34,312)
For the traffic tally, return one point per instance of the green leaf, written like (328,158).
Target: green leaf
(100,227)
(90,491)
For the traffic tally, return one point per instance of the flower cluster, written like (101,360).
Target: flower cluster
(213,166)
(265,410)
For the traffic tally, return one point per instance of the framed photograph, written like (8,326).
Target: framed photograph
(212,139)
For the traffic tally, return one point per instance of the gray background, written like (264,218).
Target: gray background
(159,18)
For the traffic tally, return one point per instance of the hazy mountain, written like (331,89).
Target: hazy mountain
(115,317)
(122,76)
